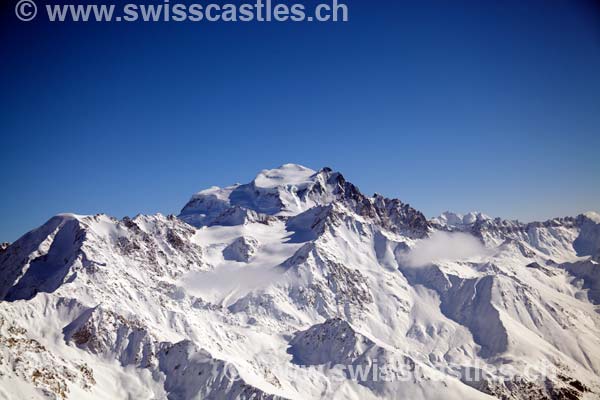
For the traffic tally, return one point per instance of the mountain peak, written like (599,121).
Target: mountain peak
(287,174)
(292,190)
(592,215)
(456,220)
(284,191)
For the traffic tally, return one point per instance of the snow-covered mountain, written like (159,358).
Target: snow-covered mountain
(298,286)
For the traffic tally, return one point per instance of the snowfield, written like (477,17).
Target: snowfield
(298,286)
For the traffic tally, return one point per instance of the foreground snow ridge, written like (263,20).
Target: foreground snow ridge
(298,286)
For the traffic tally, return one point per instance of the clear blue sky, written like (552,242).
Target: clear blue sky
(460,105)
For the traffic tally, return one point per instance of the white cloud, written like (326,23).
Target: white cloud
(444,246)
(231,281)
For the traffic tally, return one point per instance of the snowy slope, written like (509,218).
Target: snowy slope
(298,286)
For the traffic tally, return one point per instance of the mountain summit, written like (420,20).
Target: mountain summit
(298,286)
(291,190)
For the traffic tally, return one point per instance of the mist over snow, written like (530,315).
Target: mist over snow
(444,246)
(231,281)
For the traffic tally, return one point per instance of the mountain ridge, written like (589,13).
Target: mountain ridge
(226,290)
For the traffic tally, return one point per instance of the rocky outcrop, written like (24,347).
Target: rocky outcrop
(241,249)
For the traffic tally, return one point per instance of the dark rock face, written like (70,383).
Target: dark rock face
(4,246)
(401,217)
(390,213)
(588,241)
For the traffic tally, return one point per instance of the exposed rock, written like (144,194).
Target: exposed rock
(241,249)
